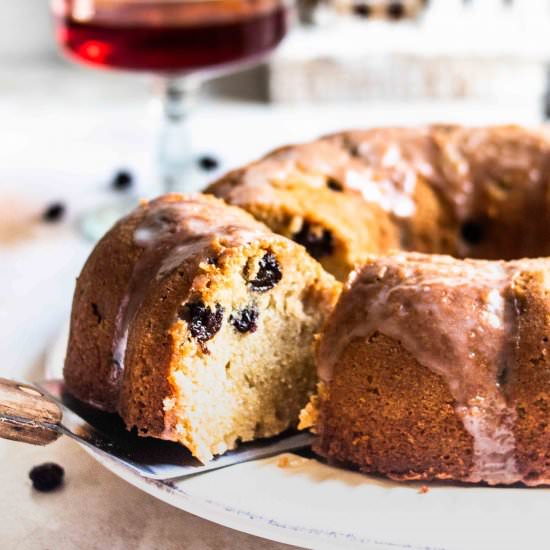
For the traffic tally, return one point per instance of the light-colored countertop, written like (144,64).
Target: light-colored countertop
(62,136)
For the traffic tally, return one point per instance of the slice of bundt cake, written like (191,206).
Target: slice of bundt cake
(195,323)
(437,368)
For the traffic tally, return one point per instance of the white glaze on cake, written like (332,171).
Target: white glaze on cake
(384,170)
(382,191)
(457,318)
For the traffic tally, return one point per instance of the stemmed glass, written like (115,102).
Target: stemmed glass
(183,43)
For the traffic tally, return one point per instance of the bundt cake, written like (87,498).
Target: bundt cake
(468,192)
(431,367)
(195,322)
(438,368)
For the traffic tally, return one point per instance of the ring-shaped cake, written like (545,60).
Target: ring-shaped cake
(195,322)
(431,366)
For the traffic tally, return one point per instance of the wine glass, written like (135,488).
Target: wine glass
(183,43)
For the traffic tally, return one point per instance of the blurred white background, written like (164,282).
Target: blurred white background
(25,30)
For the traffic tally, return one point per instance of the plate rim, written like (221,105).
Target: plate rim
(252,524)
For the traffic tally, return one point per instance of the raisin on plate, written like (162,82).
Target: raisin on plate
(47,477)
(54,212)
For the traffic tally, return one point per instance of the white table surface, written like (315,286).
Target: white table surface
(62,135)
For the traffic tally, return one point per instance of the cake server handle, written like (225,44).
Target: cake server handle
(27,415)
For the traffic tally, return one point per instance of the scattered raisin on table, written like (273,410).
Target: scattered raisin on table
(396,10)
(269,274)
(334,185)
(362,10)
(203,322)
(208,162)
(122,180)
(47,477)
(245,320)
(54,212)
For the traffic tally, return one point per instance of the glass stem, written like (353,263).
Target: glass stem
(176,166)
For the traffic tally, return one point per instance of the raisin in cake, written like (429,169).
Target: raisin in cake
(194,322)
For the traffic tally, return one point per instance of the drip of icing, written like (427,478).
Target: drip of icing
(120,340)
(384,165)
(461,331)
(391,160)
(384,192)
(458,174)
(309,164)
(384,170)
(171,233)
(230,235)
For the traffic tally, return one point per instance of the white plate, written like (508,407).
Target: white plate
(310,504)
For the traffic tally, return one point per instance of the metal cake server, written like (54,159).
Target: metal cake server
(40,413)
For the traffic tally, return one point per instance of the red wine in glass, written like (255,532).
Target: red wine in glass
(183,42)
(170,36)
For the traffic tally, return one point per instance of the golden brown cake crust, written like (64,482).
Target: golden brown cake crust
(437,368)
(99,291)
(388,414)
(527,385)
(299,192)
(439,189)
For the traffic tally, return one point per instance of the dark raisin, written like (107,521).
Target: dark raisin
(362,10)
(47,477)
(208,163)
(395,10)
(54,212)
(334,184)
(203,322)
(245,319)
(472,232)
(502,377)
(97,313)
(269,274)
(317,241)
(122,180)
(212,260)
(354,150)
